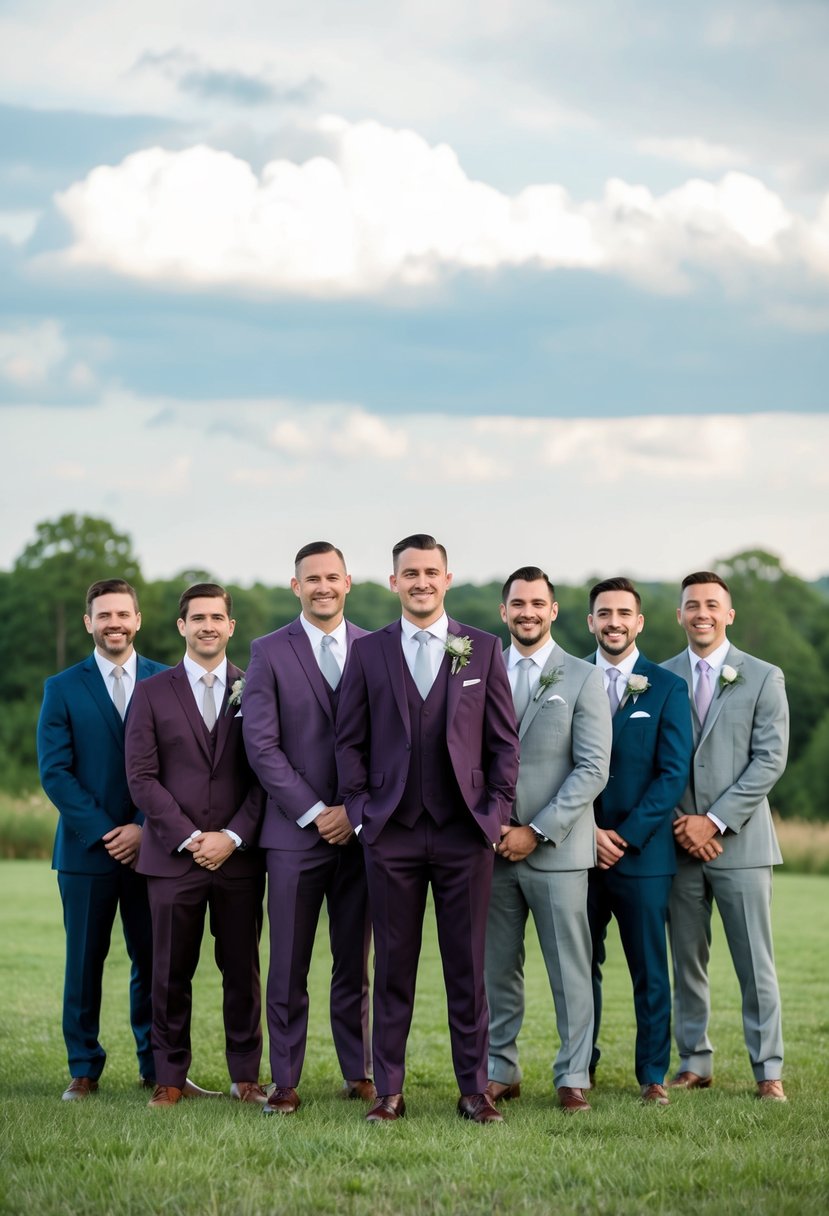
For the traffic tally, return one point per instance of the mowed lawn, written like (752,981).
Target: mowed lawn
(718,1151)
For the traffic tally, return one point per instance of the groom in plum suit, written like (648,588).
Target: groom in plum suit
(427,755)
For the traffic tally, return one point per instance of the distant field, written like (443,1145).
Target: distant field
(710,1153)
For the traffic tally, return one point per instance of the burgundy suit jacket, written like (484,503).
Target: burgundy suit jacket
(179,786)
(374,738)
(288,722)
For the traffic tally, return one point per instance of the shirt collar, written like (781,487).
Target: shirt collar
(715,659)
(626,666)
(195,671)
(315,634)
(539,657)
(438,628)
(106,665)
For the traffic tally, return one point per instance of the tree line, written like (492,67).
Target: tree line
(780,618)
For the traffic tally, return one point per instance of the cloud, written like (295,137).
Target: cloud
(694,151)
(388,209)
(191,75)
(30,355)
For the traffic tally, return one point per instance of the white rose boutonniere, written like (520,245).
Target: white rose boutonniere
(234,701)
(459,650)
(729,676)
(546,680)
(636,685)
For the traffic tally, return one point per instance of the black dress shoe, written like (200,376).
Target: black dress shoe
(479,1109)
(386,1109)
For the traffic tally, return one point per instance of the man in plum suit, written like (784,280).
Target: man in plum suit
(290,705)
(80,746)
(188,772)
(427,755)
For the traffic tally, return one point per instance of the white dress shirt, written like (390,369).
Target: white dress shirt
(625,669)
(539,658)
(106,668)
(439,631)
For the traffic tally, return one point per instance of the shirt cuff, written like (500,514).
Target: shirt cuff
(185,843)
(310,816)
(722,826)
(539,833)
(234,836)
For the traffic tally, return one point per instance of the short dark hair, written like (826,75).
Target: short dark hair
(703,576)
(110,586)
(208,591)
(313,549)
(619,583)
(420,540)
(527,574)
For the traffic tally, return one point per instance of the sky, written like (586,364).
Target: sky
(549,281)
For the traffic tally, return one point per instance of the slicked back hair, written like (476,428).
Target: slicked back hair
(703,576)
(619,583)
(527,574)
(110,586)
(207,591)
(314,548)
(420,540)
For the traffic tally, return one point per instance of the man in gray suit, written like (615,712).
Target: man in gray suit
(544,855)
(727,844)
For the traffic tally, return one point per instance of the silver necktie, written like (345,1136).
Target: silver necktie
(422,667)
(521,693)
(119,695)
(613,689)
(704,694)
(209,701)
(329,666)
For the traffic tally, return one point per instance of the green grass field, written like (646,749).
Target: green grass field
(710,1152)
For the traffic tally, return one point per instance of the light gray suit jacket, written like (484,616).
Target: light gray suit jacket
(739,754)
(565,738)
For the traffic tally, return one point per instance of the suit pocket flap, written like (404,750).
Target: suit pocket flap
(478,779)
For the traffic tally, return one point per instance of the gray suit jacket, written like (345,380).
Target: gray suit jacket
(565,738)
(738,756)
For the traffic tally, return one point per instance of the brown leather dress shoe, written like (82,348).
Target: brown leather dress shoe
(282,1101)
(771,1091)
(479,1109)
(248,1091)
(165,1095)
(79,1087)
(496,1091)
(386,1109)
(655,1094)
(192,1090)
(362,1090)
(689,1080)
(572,1099)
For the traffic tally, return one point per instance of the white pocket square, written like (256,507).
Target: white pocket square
(468,683)
(238,714)
(556,697)
(640,713)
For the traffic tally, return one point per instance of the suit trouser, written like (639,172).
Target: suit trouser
(178,907)
(558,902)
(640,905)
(743,897)
(90,904)
(298,881)
(401,864)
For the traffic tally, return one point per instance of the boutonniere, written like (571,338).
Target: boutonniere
(459,650)
(636,685)
(546,680)
(234,701)
(729,676)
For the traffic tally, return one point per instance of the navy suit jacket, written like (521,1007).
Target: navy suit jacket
(374,735)
(288,720)
(649,765)
(80,748)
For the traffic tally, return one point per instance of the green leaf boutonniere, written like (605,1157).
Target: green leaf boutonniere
(546,680)
(459,650)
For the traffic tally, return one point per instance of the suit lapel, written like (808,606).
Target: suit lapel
(226,714)
(628,701)
(97,689)
(555,663)
(304,651)
(392,647)
(453,692)
(182,689)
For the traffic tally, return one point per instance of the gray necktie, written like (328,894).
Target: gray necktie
(209,701)
(705,692)
(119,696)
(613,689)
(329,666)
(521,692)
(422,667)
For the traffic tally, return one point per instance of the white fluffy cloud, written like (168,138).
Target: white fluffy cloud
(389,208)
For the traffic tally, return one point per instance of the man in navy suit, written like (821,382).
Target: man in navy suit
(80,744)
(427,756)
(649,765)
(290,707)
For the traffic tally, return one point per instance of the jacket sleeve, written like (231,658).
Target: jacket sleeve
(768,750)
(78,808)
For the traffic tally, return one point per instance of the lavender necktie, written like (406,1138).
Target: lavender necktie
(705,692)
(613,689)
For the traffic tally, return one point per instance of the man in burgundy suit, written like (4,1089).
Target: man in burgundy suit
(427,754)
(188,772)
(290,705)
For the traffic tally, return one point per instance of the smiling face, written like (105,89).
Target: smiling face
(321,585)
(206,629)
(528,614)
(705,613)
(113,621)
(421,580)
(615,622)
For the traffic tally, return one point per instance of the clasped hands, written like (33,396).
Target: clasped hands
(696,833)
(210,849)
(122,843)
(334,825)
(516,843)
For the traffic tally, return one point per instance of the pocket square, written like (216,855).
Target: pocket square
(640,713)
(555,697)
(467,683)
